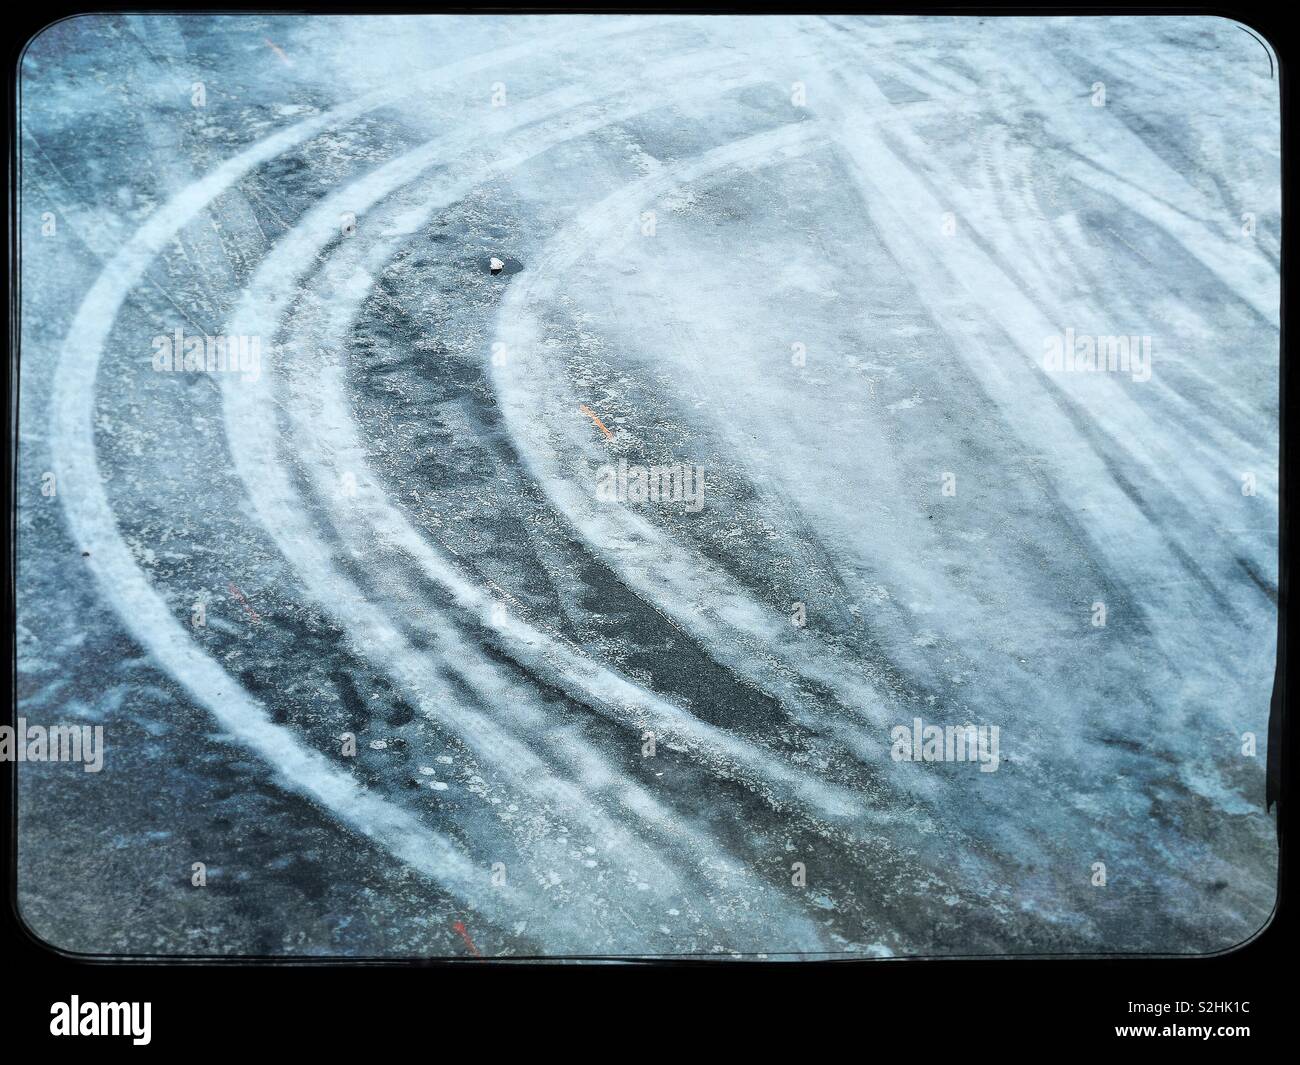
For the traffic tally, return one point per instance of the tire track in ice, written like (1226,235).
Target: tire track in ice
(328,444)
(894,198)
(644,558)
(145,612)
(142,610)
(1242,270)
(1245,271)
(1186,200)
(1242,437)
(249,409)
(1117,415)
(693,591)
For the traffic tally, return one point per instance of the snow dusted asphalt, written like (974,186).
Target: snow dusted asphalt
(819,259)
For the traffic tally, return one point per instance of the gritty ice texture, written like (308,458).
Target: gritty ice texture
(809,267)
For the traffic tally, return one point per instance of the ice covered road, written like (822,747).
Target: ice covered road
(542,486)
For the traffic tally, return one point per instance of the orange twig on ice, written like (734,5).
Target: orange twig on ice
(459,926)
(278,51)
(592,415)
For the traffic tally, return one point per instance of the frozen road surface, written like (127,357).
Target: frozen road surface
(642,486)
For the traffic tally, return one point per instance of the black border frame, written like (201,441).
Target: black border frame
(1021,1001)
